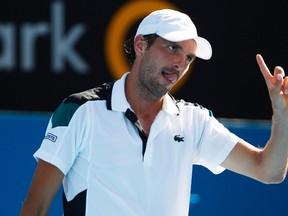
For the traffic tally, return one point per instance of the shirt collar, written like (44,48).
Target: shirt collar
(169,105)
(119,101)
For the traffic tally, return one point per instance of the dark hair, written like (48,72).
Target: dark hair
(129,46)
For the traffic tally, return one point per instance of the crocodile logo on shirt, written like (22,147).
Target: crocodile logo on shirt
(178,138)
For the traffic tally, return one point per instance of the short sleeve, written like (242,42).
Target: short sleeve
(62,141)
(215,145)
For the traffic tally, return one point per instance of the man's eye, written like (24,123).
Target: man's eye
(191,58)
(172,47)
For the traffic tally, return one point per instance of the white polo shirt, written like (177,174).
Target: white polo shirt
(100,152)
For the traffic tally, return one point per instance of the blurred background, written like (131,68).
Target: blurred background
(51,49)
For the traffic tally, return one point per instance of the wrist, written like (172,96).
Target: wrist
(280,119)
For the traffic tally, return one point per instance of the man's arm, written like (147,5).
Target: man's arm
(268,165)
(264,165)
(45,185)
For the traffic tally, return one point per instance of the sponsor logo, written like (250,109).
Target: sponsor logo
(51,137)
(63,43)
(178,138)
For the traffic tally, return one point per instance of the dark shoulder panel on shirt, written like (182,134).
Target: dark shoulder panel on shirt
(65,111)
(194,105)
(98,93)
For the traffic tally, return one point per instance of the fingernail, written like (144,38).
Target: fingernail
(286,91)
(279,76)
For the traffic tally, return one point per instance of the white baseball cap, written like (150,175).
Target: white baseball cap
(174,26)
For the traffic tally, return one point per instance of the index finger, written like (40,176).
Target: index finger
(263,67)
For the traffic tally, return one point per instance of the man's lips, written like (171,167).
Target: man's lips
(170,77)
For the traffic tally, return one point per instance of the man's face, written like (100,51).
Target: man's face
(163,64)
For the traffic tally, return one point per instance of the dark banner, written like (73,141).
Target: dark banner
(50,49)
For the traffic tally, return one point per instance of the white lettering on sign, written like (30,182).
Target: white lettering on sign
(62,44)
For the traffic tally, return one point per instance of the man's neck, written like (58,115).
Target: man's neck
(146,109)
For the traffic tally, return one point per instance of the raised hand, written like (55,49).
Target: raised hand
(277,85)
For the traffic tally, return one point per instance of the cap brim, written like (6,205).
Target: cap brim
(204,49)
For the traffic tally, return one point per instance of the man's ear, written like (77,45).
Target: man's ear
(140,44)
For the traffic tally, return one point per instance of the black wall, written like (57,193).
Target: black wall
(50,49)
